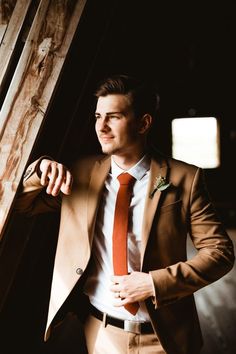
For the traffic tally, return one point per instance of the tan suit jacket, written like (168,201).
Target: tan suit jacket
(169,217)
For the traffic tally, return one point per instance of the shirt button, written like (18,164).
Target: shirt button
(79,271)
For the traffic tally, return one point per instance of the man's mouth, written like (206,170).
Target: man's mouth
(106,138)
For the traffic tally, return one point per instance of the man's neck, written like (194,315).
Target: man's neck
(126,162)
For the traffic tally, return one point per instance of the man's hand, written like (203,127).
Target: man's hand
(56,177)
(136,286)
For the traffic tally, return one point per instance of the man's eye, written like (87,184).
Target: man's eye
(97,117)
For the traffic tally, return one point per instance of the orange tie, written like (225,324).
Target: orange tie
(120,230)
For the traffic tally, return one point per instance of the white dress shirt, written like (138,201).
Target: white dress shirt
(98,284)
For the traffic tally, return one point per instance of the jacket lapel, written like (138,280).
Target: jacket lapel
(151,203)
(98,177)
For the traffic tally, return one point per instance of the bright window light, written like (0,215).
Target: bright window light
(196,141)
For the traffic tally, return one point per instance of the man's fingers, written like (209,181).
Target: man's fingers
(137,286)
(59,178)
(45,170)
(56,176)
(68,181)
(117,278)
(52,177)
(122,302)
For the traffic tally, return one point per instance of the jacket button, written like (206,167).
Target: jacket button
(79,271)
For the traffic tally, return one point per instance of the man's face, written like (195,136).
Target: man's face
(116,126)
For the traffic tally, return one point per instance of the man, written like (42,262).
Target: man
(168,201)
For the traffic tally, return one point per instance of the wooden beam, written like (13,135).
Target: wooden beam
(31,91)
(13,17)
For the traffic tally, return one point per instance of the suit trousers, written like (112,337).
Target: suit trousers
(109,339)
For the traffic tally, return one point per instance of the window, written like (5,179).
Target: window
(196,140)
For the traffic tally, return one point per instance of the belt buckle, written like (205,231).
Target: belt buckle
(132,326)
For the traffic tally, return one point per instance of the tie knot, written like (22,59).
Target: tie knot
(126,179)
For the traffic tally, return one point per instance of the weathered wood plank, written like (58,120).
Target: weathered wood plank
(9,33)
(3,28)
(31,91)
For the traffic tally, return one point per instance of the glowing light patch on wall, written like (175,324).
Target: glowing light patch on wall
(196,141)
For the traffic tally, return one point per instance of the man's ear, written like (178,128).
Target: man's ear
(145,123)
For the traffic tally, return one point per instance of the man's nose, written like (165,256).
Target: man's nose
(103,126)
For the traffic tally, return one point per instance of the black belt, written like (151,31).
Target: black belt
(126,325)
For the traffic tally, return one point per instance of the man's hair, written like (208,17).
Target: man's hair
(142,96)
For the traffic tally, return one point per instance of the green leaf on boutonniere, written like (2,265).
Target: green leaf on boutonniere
(160,185)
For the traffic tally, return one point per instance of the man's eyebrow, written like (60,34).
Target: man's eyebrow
(109,113)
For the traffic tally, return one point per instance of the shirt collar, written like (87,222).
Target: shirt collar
(137,171)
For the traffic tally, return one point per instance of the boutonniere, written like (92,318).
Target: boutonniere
(160,185)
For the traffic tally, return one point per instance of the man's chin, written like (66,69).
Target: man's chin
(106,150)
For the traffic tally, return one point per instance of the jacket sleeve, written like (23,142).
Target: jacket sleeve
(32,198)
(215,253)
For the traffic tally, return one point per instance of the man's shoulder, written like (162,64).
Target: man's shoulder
(179,164)
(173,163)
